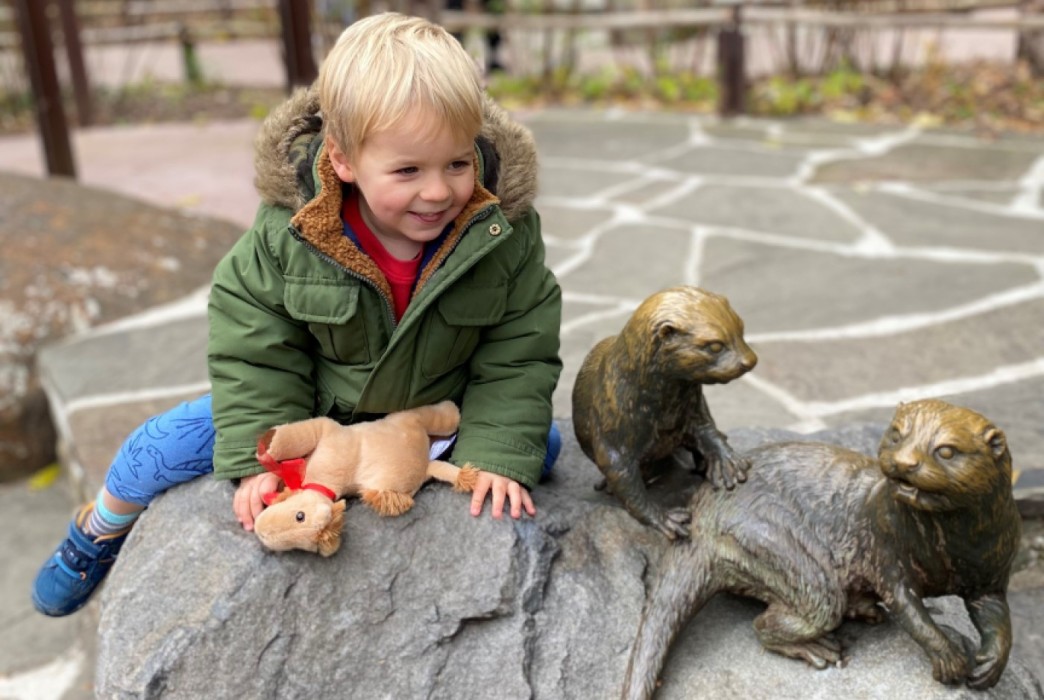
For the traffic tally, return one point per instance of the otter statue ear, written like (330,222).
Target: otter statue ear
(666,330)
(994,437)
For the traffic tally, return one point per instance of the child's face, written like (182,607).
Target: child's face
(412,182)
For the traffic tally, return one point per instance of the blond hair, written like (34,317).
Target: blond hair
(388,66)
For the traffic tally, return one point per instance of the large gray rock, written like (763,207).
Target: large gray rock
(437,604)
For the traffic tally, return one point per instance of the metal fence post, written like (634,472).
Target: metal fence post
(38,51)
(731,66)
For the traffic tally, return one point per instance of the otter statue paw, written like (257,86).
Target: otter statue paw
(989,665)
(673,523)
(950,665)
(819,653)
(870,615)
(727,470)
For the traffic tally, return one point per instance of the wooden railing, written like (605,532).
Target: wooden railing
(889,20)
(127,21)
(34,28)
(753,13)
(133,21)
(124,22)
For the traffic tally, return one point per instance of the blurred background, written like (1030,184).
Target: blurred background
(973,62)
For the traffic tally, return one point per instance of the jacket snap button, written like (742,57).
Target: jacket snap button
(494,229)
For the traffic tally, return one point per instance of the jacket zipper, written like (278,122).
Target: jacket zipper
(351,273)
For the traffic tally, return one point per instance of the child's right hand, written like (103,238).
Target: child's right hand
(247,503)
(501,488)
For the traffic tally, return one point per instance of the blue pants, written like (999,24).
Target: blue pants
(177,446)
(164,451)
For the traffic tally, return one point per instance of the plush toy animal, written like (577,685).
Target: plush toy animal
(385,462)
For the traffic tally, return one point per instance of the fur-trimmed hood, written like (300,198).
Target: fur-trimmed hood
(290,137)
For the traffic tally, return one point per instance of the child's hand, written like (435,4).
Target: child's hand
(247,503)
(501,486)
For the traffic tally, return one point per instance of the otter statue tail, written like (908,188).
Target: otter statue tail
(685,585)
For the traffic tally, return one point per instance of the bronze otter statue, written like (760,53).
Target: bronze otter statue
(638,397)
(820,533)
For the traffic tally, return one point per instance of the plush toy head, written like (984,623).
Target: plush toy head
(301,519)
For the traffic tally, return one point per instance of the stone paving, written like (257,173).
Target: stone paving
(871,265)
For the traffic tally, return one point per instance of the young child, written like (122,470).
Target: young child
(396,261)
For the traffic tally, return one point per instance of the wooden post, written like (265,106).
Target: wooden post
(295,17)
(189,58)
(1031,41)
(77,68)
(732,78)
(38,51)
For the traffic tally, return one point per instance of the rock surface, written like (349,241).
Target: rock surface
(74,258)
(437,604)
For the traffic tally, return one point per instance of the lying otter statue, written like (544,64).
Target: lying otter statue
(638,397)
(820,533)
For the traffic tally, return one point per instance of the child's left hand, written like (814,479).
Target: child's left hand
(501,486)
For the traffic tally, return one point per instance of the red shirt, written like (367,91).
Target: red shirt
(401,274)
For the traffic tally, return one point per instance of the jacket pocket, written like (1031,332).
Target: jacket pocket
(334,318)
(454,329)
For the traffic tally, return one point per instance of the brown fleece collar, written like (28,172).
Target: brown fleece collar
(319,223)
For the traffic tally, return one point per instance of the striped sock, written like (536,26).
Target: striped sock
(104,522)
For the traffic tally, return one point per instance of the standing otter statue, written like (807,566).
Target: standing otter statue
(638,397)
(820,533)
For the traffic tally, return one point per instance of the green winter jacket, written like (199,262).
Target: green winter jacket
(301,320)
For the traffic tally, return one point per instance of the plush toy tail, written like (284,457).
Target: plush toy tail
(441,419)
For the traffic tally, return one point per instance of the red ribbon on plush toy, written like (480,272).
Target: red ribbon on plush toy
(291,471)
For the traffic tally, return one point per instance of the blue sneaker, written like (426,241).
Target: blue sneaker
(68,579)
